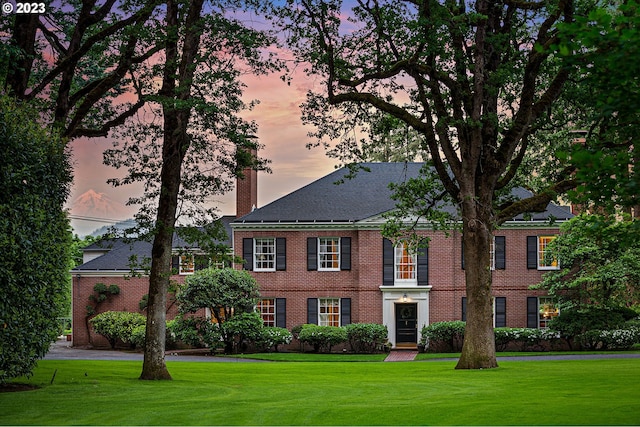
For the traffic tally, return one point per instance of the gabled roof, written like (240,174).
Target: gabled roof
(120,252)
(335,198)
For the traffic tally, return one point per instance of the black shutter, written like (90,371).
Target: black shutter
(499,248)
(281,312)
(387,262)
(462,253)
(247,253)
(312,253)
(532,312)
(423,266)
(175,264)
(281,254)
(501,312)
(345,253)
(464,309)
(345,311)
(532,252)
(312,311)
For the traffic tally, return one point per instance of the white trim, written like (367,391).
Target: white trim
(392,295)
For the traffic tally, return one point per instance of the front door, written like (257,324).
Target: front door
(406,323)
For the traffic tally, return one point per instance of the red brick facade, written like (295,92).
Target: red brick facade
(132,289)
(362,283)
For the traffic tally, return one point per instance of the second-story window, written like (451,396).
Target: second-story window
(329,253)
(546,261)
(405,263)
(264,254)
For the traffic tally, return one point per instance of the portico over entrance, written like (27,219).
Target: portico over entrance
(405,310)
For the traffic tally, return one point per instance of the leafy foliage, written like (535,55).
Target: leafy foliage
(226,292)
(366,337)
(447,336)
(118,325)
(322,338)
(34,239)
(600,263)
(604,43)
(271,337)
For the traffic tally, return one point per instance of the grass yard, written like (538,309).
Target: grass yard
(590,392)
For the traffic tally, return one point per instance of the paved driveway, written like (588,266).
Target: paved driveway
(62,350)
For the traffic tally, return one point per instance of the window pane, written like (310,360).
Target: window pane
(329,311)
(329,253)
(267,309)
(545,260)
(547,310)
(405,263)
(265,254)
(186,264)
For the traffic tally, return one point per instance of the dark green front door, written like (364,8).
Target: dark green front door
(406,323)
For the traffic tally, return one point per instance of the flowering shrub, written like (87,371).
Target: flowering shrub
(366,337)
(271,337)
(322,338)
(443,336)
(616,339)
(117,325)
(524,338)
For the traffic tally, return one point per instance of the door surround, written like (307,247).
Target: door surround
(394,295)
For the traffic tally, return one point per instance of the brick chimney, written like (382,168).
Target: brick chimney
(247,190)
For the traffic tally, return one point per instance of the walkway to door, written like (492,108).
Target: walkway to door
(401,356)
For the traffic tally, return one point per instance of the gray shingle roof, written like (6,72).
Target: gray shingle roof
(120,251)
(358,198)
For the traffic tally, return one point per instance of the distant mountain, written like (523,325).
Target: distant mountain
(91,210)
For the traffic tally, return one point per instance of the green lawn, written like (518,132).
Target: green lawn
(593,392)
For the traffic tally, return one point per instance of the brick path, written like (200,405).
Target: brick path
(401,356)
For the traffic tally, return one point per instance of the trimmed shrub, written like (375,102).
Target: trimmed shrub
(366,337)
(443,336)
(242,329)
(572,323)
(271,337)
(117,325)
(197,332)
(524,338)
(322,338)
(615,339)
(138,335)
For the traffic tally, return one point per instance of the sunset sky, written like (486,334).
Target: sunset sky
(280,131)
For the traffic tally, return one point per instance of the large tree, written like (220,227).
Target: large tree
(200,143)
(475,79)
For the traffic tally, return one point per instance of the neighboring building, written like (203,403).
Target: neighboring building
(319,257)
(126,264)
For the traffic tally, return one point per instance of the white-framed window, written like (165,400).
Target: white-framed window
(187,264)
(545,260)
(405,263)
(547,311)
(329,311)
(329,253)
(264,254)
(267,309)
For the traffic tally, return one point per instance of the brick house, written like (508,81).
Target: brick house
(319,257)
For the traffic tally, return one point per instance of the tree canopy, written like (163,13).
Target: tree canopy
(476,80)
(599,260)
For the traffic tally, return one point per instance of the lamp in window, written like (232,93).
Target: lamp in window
(404,298)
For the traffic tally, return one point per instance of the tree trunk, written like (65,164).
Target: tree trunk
(154,367)
(478,349)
